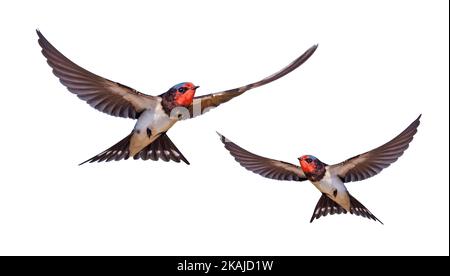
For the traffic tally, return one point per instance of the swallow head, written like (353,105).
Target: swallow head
(313,168)
(183,93)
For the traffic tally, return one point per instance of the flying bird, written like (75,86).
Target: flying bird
(329,179)
(155,115)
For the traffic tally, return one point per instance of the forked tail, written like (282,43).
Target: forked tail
(326,206)
(162,148)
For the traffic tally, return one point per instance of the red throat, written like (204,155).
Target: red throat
(186,98)
(307,167)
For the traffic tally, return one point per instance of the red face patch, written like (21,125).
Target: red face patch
(185,99)
(307,167)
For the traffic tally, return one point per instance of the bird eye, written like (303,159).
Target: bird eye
(308,160)
(181,89)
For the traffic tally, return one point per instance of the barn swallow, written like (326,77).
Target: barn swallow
(329,179)
(155,114)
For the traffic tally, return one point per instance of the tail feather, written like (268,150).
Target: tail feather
(326,206)
(162,148)
(358,209)
(117,152)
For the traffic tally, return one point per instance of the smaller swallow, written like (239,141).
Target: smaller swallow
(329,179)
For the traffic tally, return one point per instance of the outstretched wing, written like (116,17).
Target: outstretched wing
(263,166)
(202,104)
(102,94)
(372,162)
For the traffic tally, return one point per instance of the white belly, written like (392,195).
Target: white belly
(328,183)
(156,120)
(334,188)
(148,128)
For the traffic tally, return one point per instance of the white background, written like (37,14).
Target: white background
(379,65)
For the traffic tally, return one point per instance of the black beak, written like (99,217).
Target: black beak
(195,87)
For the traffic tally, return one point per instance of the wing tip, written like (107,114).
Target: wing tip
(414,125)
(43,42)
(87,161)
(418,118)
(223,139)
(185,161)
(40,35)
(303,58)
(312,49)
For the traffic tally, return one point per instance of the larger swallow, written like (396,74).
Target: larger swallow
(155,114)
(329,179)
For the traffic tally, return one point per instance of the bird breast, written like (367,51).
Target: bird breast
(334,188)
(154,119)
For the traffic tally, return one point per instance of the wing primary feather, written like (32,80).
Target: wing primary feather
(204,103)
(81,82)
(266,167)
(368,164)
